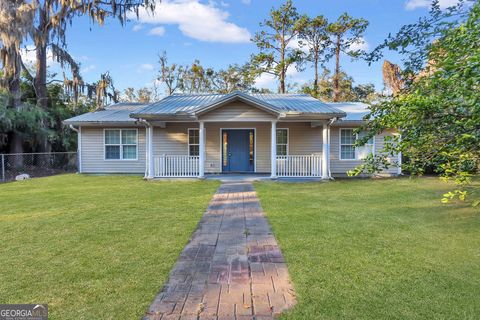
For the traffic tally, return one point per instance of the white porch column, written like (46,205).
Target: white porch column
(201,165)
(326,151)
(150,156)
(273,156)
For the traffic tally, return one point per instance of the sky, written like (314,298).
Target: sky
(218,32)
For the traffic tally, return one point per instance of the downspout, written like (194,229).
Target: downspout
(329,144)
(147,128)
(79,146)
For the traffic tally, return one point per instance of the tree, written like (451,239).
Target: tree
(172,76)
(438,111)
(365,93)
(50,23)
(347,90)
(275,42)
(314,35)
(15,24)
(142,95)
(392,77)
(233,78)
(345,32)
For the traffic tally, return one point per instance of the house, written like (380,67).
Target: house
(284,135)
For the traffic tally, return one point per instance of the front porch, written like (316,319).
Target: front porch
(215,150)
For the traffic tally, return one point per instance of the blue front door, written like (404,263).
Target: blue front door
(238,150)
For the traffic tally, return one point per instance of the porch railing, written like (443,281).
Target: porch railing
(176,166)
(299,166)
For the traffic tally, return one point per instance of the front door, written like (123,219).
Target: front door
(238,150)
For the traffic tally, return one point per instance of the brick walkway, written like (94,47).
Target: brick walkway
(231,269)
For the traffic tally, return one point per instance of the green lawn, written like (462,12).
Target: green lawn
(94,247)
(376,249)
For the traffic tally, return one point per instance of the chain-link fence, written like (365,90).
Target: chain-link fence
(36,164)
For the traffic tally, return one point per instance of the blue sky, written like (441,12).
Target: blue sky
(217,33)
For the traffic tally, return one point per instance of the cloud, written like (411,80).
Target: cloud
(415,4)
(265,80)
(295,44)
(361,44)
(201,21)
(137,27)
(246,1)
(88,68)
(269,81)
(146,67)
(29,56)
(157,31)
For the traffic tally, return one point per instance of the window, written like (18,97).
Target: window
(366,149)
(120,144)
(348,151)
(282,142)
(193,142)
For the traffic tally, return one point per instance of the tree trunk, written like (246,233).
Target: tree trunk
(281,88)
(40,81)
(283,71)
(336,80)
(315,80)
(16,142)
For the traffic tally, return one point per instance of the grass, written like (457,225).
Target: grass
(94,247)
(376,249)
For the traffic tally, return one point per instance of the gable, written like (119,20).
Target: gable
(237,111)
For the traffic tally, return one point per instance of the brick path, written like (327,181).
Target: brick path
(231,269)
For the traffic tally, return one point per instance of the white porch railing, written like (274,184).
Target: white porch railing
(176,166)
(299,166)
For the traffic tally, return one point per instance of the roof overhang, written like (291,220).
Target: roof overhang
(102,123)
(310,116)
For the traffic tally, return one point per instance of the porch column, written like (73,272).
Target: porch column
(273,169)
(325,151)
(201,165)
(150,156)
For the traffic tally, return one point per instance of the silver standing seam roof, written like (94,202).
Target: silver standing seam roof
(355,110)
(191,105)
(279,103)
(119,112)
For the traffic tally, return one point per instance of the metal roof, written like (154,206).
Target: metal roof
(119,112)
(280,103)
(355,110)
(188,106)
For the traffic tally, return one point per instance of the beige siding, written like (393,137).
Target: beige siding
(173,140)
(237,111)
(303,139)
(340,167)
(93,153)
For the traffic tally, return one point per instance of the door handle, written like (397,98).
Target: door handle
(229,154)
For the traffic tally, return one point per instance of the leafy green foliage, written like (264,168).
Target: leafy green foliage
(277,54)
(438,113)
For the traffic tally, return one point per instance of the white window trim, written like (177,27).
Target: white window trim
(355,148)
(193,144)
(121,145)
(288,141)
